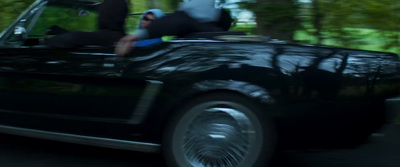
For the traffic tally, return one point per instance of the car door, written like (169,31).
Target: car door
(68,90)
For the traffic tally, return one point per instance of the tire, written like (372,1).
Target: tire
(219,129)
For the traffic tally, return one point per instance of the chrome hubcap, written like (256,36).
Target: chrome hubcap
(218,136)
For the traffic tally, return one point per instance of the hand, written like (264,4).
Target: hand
(125,45)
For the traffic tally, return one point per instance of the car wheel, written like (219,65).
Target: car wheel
(220,129)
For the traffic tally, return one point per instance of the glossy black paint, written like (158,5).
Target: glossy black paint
(313,93)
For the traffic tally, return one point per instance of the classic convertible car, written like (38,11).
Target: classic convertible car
(220,100)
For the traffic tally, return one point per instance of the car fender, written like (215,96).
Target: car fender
(249,90)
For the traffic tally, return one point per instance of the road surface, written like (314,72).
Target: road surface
(381,150)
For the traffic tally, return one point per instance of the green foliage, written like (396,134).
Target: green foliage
(374,13)
(270,12)
(66,18)
(138,6)
(277,13)
(171,5)
(353,24)
(132,22)
(276,19)
(366,24)
(249,28)
(10,10)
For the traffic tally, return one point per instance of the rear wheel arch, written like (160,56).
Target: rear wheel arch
(246,90)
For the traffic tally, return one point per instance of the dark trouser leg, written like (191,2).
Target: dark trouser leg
(178,24)
(78,39)
(112,15)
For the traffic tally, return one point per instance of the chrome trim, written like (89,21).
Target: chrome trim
(80,139)
(94,54)
(37,13)
(392,109)
(65,117)
(145,102)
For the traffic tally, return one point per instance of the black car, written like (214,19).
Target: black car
(220,100)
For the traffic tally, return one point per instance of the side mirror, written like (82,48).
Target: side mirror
(20,33)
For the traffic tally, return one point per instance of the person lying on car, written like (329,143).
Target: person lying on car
(191,16)
(145,21)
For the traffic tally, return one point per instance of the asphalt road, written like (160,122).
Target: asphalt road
(381,150)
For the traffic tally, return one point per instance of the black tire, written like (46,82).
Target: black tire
(219,129)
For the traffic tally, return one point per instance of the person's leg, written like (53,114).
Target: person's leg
(178,24)
(225,20)
(112,15)
(79,39)
(175,24)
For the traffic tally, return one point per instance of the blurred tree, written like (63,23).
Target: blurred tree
(274,18)
(10,10)
(353,23)
(333,19)
(136,6)
(65,17)
(154,4)
(367,24)
(317,20)
(171,5)
(383,15)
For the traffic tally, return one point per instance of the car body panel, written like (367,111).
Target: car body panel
(308,85)
(313,93)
